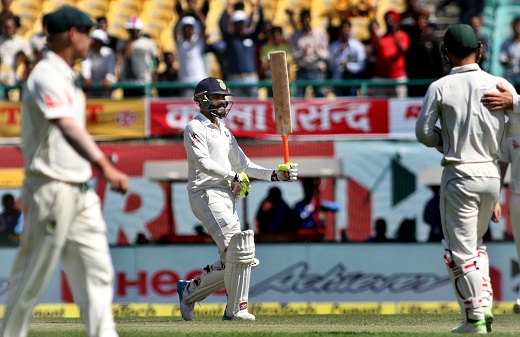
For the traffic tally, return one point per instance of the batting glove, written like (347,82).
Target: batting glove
(243,185)
(287,172)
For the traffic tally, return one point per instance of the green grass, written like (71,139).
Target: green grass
(271,325)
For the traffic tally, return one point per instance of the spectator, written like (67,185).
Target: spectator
(347,59)
(276,42)
(99,66)
(142,239)
(467,8)
(191,44)
(407,18)
(139,57)
(102,23)
(265,37)
(390,50)
(169,74)
(510,55)
(274,215)
(11,220)
(13,50)
(6,12)
(241,38)
(308,210)
(423,58)
(192,9)
(310,51)
(432,215)
(379,232)
(370,61)
(406,231)
(38,40)
(476,24)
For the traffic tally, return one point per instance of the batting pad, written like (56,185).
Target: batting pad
(467,283)
(239,256)
(211,280)
(483,265)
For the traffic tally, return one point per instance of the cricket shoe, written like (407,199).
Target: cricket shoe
(187,309)
(488,316)
(516,308)
(242,315)
(478,327)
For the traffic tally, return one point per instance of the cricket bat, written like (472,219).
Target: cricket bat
(282,99)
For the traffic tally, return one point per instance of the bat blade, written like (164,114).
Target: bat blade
(281,92)
(281,98)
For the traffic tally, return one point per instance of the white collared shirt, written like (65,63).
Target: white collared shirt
(52,92)
(213,152)
(99,67)
(471,133)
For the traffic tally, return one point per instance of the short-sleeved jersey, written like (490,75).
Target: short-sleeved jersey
(51,92)
(471,133)
(390,62)
(213,153)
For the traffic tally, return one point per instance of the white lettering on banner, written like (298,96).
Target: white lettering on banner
(298,279)
(251,117)
(354,115)
(151,199)
(178,116)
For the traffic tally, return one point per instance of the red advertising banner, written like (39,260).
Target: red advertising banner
(316,118)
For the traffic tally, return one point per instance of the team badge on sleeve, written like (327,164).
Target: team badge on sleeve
(51,102)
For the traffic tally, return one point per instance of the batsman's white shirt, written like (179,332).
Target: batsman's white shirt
(213,152)
(51,92)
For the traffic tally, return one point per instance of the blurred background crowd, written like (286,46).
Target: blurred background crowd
(183,41)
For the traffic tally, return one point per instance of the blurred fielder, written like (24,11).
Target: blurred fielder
(62,216)
(470,140)
(219,171)
(499,101)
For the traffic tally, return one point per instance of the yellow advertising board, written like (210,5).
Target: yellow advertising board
(106,119)
(11,177)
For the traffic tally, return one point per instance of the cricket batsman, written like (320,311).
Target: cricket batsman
(218,171)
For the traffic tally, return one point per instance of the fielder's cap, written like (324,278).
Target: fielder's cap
(100,35)
(212,85)
(67,17)
(134,22)
(238,16)
(188,21)
(459,37)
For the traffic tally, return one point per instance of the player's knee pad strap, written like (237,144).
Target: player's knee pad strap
(211,280)
(239,258)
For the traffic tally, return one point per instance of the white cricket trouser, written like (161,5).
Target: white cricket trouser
(61,221)
(467,203)
(514,215)
(466,208)
(216,209)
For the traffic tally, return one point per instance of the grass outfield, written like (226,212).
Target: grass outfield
(289,325)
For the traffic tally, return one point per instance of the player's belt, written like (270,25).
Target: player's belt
(83,187)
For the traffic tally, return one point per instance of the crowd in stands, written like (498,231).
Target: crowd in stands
(403,46)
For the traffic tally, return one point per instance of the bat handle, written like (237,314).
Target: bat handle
(285,142)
